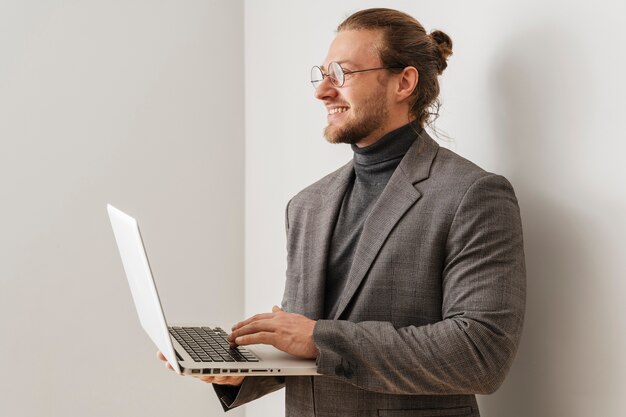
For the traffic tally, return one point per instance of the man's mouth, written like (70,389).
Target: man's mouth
(336,110)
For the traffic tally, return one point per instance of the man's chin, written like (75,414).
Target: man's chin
(330,134)
(335,136)
(332,140)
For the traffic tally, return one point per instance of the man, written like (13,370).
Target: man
(405,273)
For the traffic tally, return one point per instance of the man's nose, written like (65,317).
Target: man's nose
(325,89)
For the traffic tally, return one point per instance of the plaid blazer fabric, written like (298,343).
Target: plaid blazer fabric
(434,306)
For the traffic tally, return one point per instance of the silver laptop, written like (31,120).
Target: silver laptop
(191,350)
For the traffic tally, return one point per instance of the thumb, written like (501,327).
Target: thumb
(276,309)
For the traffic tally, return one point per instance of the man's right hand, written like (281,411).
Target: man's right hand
(220,380)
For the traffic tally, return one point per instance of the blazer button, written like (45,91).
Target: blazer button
(339,370)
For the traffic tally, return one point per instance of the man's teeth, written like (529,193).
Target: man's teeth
(337,110)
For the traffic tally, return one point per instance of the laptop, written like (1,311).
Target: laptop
(191,350)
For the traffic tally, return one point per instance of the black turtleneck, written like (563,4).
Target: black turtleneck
(373,166)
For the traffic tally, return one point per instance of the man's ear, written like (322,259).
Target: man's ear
(407,82)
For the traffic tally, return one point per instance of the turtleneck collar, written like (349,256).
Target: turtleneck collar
(374,164)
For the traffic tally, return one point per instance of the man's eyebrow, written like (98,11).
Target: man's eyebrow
(343,61)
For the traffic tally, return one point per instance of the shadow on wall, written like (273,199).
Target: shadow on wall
(539,112)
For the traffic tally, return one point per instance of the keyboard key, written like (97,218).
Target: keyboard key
(209,345)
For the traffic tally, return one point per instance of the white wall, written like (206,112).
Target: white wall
(533,91)
(137,103)
(129,103)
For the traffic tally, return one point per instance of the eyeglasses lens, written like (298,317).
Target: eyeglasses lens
(316,76)
(335,72)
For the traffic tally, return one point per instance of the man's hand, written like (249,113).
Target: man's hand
(220,380)
(289,332)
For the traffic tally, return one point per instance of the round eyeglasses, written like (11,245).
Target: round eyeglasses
(337,74)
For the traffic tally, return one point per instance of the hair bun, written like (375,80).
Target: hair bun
(444,45)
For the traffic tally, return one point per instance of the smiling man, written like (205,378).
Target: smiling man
(362,111)
(405,273)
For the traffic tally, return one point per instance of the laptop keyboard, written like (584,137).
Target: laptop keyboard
(205,344)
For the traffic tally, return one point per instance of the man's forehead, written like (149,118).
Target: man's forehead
(355,47)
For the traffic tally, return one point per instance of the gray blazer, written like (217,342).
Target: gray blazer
(434,306)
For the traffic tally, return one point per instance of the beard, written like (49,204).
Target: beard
(364,121)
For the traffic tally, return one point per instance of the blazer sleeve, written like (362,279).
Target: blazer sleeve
(484,291)
(253,387)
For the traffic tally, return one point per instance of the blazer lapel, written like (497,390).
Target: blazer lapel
(397,197)
(320,224)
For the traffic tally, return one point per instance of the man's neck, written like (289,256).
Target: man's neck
(380,133)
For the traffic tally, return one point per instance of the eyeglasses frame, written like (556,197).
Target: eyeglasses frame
(344,71)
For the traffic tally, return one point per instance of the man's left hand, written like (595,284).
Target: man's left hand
(289,332)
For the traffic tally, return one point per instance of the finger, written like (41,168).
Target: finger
(221,380)
(264,338)
(256,317)
(229,380)
(163,358)
(277,309)
(254,327)
(209,379)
